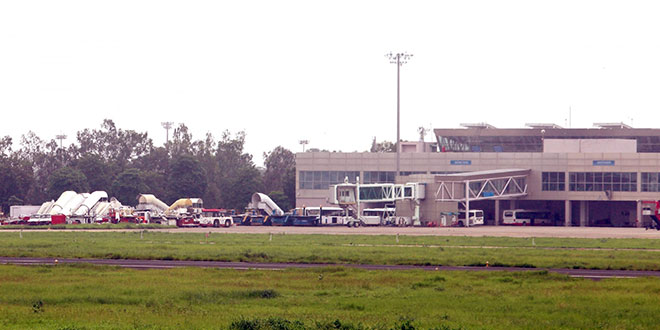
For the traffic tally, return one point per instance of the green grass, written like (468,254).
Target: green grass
(637,254)
(91,297)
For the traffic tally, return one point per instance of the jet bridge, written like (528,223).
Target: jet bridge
(481,185)
(351,195)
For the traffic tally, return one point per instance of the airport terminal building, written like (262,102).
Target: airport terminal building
(599,176)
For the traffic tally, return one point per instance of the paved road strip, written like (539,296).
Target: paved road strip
(165,264)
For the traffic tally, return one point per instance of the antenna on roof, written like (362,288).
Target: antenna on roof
(422,132)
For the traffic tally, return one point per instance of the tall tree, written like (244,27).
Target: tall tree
(15,181)
(205,151)
(127,186)
(5,146)
(280,199)
(118,146)
(289,187)
(99,173)
(154,169)
(238,189)
(238,177)
(280,162)
(181,143)
(44,160)
(66,178)
(384,146)
(187,178)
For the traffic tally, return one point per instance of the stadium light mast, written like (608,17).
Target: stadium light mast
(399,59)
(61,137)
(167,125)
(303,143)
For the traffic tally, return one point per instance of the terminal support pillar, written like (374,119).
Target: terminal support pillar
(639,214)
(513,204)
(497,212)
(567,213)
(467,203)
(584,213)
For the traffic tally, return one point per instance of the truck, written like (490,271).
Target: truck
(214,218)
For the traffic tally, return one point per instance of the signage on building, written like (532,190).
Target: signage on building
(460,162)
(603,163)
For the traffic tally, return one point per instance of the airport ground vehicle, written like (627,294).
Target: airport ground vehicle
(476,218)
(327,216)
(214,218)
(520,217)
(651,209)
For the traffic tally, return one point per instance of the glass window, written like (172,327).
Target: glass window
(324,179)
(379,177)
(602,181)
(650,181)
(553,181)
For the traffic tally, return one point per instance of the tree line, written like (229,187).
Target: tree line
(126,163)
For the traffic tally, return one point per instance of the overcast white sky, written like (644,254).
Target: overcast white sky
(290,70)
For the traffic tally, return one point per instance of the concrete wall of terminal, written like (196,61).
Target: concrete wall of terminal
(621,208)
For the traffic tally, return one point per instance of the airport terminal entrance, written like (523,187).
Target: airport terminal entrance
(583,213)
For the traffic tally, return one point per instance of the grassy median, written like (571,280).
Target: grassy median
(635,254)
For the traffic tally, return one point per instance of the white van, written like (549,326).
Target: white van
(476,218)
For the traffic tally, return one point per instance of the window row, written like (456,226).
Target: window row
(602,181)
(404,173)
(324,179)
(553,181)
(650,181)
(379,177)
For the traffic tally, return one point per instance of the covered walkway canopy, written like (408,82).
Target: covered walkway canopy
(481,185)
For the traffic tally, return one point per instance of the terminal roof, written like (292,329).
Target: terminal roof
(612,125)
(478,125)
(542,125)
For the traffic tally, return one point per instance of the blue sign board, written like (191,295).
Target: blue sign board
(460,162)
(603,163)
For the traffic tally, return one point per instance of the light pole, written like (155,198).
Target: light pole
(399,59)
(167,125)
(303,143)
(61,137)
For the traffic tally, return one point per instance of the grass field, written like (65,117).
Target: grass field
(90,297)
(637,254)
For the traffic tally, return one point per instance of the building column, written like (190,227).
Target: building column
(467,203)
(639,214)
(497,212)
(514,204)
(584,213)
(568,213)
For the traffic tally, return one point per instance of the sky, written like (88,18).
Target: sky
(285,71)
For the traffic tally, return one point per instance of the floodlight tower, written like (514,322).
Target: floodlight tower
(399,59)
(167,125)
(303,143)
(61,137)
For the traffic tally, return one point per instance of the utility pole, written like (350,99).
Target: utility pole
(399,59)
(61,137)
(167,125)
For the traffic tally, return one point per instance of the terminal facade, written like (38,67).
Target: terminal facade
(599,176)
